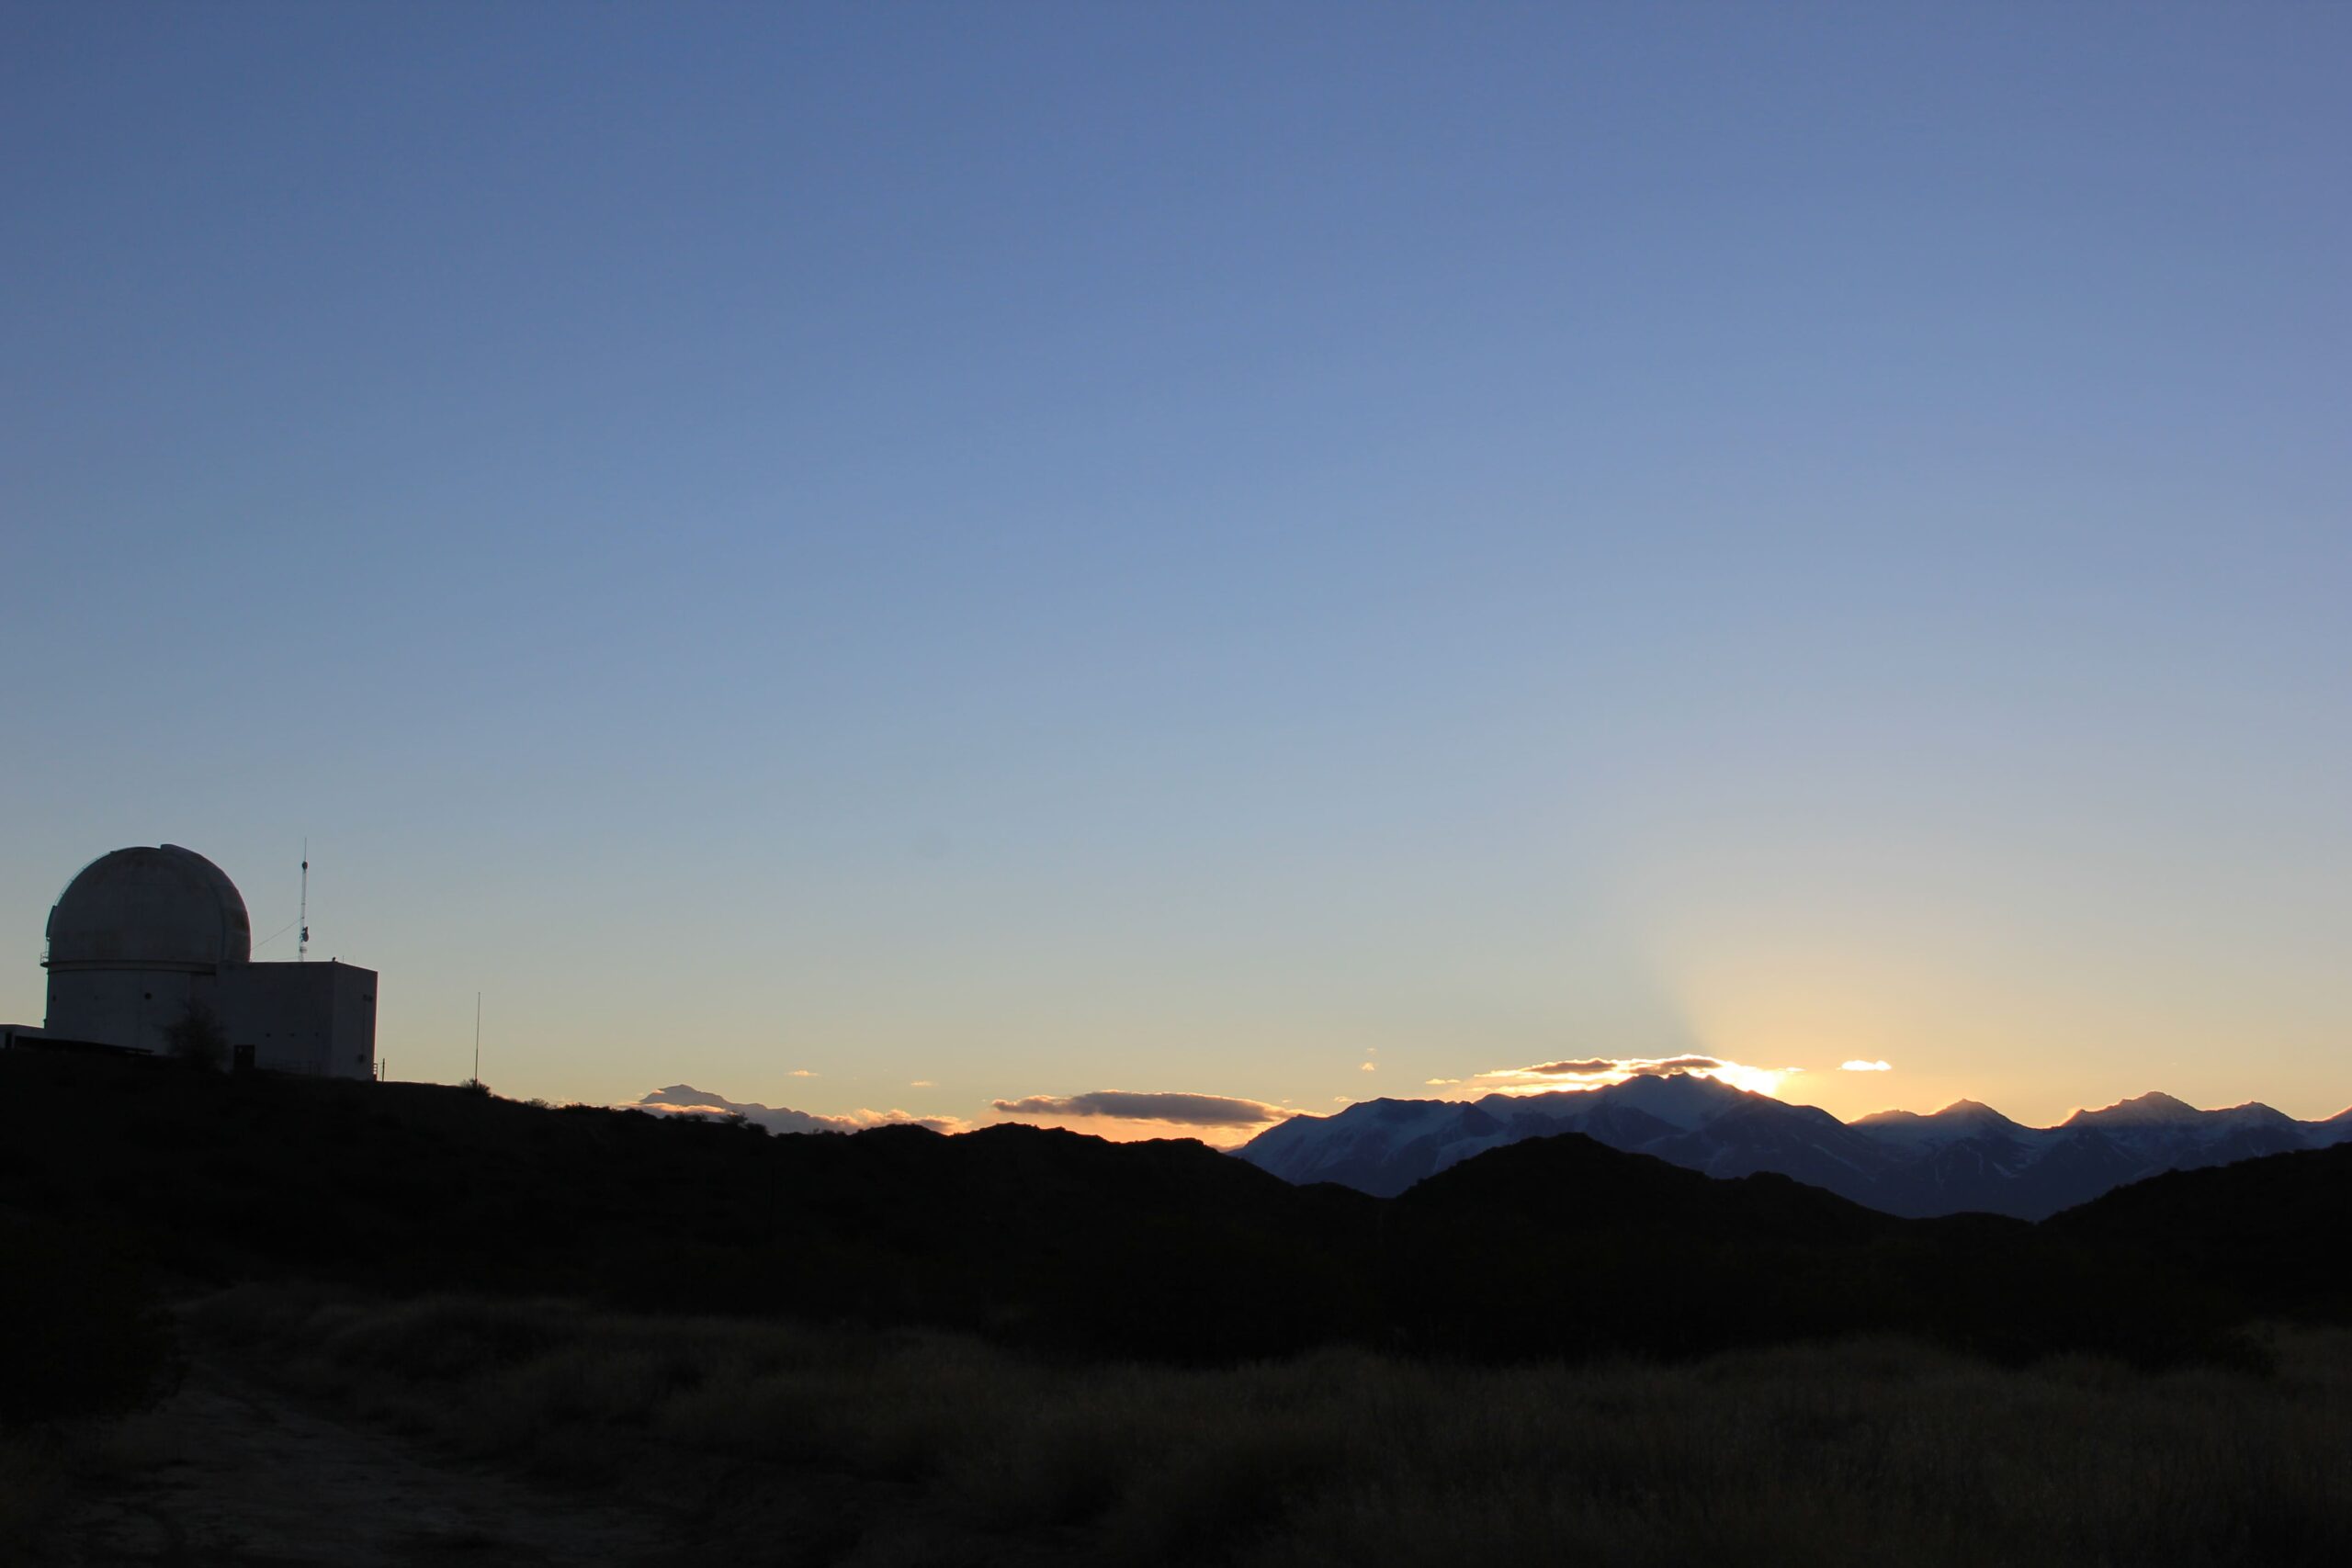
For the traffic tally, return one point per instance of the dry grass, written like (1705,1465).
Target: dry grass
(787,1444)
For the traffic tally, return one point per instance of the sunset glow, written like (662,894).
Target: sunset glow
(1594,1073)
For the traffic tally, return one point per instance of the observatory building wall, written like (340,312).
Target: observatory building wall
(318,1019)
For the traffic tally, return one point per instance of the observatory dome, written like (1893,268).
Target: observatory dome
(162,908)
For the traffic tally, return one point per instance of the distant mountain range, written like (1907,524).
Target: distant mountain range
(1966,1158)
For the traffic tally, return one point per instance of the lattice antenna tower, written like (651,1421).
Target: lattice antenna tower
(302,942)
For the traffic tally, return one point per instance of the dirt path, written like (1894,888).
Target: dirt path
(225,1475)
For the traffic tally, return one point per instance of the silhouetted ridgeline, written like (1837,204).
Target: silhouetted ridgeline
(1965,1159)
(1170,1250)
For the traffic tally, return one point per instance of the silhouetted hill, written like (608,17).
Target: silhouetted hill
(1561,1244)
(1575,1186)
(1027,1233)
(2276,1232)
(1053,1240)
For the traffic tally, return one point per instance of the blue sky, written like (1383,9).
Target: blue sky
(1043,549)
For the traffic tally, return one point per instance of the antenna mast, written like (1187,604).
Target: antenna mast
(477,1039)
(302,944)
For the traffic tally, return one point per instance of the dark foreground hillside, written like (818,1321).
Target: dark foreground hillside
(1040,1237)
(1052,1241)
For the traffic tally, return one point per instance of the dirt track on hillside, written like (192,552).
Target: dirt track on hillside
(227,1474)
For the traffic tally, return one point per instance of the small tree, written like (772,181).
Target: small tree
(197,1038)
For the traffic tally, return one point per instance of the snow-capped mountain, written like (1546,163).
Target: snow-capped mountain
(1967,1157)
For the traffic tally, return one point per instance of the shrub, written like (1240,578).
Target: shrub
(197,1038)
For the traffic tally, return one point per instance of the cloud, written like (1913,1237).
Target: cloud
(1369,1067)
(800,1073)
(1861,1066)
(684,1100)
(922,1083)
(1434,1083)
(1681,1065)
(1124,1105)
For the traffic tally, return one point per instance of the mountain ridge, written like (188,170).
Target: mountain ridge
(1967,1157)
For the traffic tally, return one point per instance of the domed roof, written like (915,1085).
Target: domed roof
(165,907)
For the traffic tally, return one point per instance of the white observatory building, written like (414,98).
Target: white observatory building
(143,938)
